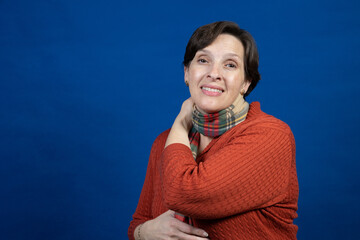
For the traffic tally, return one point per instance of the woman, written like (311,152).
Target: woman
(225,170)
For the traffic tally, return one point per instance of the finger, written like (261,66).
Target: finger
(185,236)
(188,229)
(170,212)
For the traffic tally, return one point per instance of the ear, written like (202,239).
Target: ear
(186,74)
(246,85)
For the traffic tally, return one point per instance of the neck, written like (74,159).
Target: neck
(241,102)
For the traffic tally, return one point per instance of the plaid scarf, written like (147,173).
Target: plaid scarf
(214,125)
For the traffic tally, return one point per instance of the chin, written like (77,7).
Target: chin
(209,105)
(209,109)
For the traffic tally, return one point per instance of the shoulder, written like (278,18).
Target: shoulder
(157,148)
(262,123)
(161,138)
(159,142)
(258,118)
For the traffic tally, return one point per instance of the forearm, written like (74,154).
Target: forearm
(178,134)
(182,125)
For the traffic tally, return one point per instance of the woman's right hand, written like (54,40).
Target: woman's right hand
(166,226)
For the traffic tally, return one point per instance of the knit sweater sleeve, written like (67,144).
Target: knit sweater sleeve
(143,211)
(251,171)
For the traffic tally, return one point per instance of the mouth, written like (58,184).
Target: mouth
(215,90)
(212,91)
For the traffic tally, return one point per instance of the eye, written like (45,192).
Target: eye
(202,60)
(230,65)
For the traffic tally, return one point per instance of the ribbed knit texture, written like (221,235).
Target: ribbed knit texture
(242,186)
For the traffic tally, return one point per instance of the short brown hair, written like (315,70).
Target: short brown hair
(205,35)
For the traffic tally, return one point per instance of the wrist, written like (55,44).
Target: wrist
(178,134)
(183,123)
(139,232)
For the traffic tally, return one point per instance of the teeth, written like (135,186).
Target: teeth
(212,89)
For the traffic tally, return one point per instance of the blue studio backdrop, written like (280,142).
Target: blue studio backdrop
(86,86)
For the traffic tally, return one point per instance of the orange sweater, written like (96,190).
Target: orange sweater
(242,186)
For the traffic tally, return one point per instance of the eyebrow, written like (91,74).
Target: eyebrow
(227,54)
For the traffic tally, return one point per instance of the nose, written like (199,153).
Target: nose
(214,72)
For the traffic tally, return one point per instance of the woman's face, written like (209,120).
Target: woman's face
(216,74)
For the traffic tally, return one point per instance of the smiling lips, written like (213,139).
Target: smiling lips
(210,91)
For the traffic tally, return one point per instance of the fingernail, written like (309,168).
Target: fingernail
(206,234)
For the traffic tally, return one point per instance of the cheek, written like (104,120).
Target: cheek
(196,74)
(192,77)
(236,83)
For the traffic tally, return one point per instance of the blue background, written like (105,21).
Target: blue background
(86,86)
